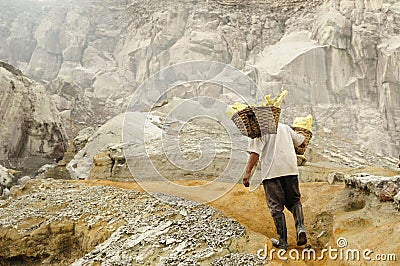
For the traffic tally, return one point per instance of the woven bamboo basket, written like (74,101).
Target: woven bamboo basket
(307,134)
(255,122)
(301,160)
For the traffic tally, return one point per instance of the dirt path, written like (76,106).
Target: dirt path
(250,208)
(330,210)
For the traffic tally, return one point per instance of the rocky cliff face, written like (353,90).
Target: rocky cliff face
(31,133)
(338,59)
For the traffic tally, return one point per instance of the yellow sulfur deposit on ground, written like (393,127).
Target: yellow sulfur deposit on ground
(304,122)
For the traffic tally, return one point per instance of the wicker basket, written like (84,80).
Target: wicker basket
(255,122)
(301,160)
(307,134)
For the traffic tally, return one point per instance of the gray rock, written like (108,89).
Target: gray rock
(104,156)
(385,188)
(111,54)
(23,180)
(397,200)
(335,178)
(83,137)
(237,259)
(45,168)
(32,133)
(5,193)
(6,178)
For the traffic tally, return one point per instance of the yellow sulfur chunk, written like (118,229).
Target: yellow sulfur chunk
(304,122)
(229,111)
(267,101)
(278,100)
(236,107)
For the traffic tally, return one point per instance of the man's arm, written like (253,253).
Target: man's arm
(297,138)
(250,164)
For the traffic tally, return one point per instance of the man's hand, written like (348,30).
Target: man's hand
(246,179)
(250,164)
(302,145)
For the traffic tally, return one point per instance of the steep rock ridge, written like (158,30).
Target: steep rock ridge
(333,67)
(139,38)
(32,133)
(348,59)
(367,33)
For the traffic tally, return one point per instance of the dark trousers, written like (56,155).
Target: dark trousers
(282,192)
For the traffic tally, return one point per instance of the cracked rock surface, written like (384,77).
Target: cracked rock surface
(60,222)
(386,188)
(92,64)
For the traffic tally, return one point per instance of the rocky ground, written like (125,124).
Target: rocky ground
(103,222)
(84,224)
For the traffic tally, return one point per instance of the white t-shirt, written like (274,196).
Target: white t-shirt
(276,151)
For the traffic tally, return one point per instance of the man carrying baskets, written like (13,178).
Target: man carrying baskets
(279,173)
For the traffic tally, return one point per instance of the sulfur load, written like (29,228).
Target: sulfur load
(266,101)
(236,107)
(303,122)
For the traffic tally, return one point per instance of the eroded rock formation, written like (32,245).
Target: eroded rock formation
(338,59)
(32,133)
(385,188)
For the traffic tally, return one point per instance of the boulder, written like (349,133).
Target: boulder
(385,188)
(6,178)
(23,180)
(389,191)
(108,134)
(336,178)
(397,200)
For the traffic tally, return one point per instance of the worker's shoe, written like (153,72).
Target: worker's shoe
(301,236)
(281,231)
